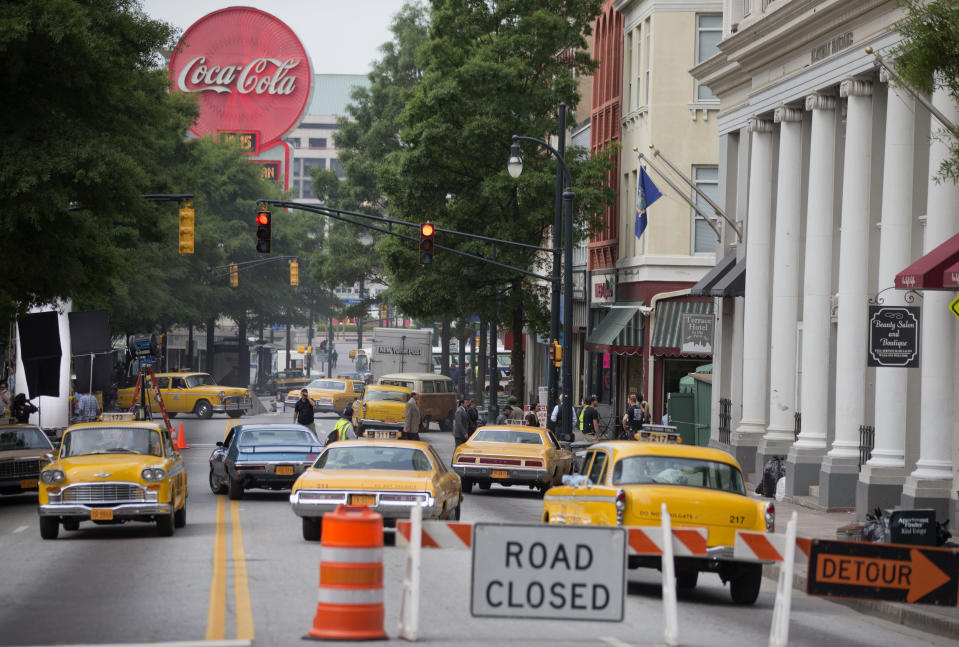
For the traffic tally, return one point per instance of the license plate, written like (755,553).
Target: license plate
(500,474)
(284,470)
(101,514)
(28,483)
(363,499)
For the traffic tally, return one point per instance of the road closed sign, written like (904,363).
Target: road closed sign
(542,571)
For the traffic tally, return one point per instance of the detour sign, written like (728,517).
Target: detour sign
(894,572)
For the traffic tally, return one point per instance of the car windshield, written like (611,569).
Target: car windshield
(508,436)
(200,379)
(374,458)
(330,385)
(276,437)
(386,396)
(675,470)
(31,438)
(111,440)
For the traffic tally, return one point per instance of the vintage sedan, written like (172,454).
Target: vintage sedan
(511,455)
(269,456)
(382,412)
(625,482)
(113,472)
(388,476)
(329,395)
(191,393)
(24,449)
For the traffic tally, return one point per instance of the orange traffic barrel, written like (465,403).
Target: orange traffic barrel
(350,605)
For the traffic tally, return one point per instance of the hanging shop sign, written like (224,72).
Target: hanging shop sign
(249,71)
(602,289)
(894,336)
(697,333)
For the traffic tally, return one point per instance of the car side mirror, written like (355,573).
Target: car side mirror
(49,456)
(219,443)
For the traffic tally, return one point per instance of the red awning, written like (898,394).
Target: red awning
(950,276)
(928,272)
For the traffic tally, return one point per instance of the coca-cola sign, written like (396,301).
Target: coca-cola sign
(249,71)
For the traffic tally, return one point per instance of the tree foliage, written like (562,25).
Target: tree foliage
(928,60)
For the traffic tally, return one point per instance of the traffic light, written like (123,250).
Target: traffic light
(556,353)
(426,243)
(186,228)
(264,231)
(294,272)
(234,275)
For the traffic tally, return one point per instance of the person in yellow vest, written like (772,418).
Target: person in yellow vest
(343,429)
(582,410)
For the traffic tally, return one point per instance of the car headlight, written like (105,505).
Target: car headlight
(153,474)
(221,394)
(53,476)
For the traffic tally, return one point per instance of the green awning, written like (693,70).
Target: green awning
(668,323)
(620,331)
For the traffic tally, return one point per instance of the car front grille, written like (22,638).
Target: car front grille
(19,469)
(236,399)
(103,493)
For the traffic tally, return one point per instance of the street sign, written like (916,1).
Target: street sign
(543,571)
(893,572)
(893,336)
(954,306)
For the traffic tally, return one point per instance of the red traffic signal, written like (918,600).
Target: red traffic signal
(263,218)
(264,231)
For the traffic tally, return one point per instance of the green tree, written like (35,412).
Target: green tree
(85,111)
(928,59)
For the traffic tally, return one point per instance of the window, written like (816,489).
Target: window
(628,71)
(709,31)
(317,142)
(336,167)
(707,181)
(747,7)
(598,468)
(647,31)
(306,189)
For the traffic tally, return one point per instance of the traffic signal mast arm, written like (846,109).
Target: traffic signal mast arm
(340,214)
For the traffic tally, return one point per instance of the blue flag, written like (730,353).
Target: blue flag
(646,194)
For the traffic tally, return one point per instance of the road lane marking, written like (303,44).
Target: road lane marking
(615,642)
(216,612)
(241,585)
(20,529)
(226,429)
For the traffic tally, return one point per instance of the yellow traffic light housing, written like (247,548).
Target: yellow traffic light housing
(234,275)
(294,272)
(426,243)
(187,230)
(556,353)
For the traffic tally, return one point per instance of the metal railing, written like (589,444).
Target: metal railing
(725,418)
(867,440)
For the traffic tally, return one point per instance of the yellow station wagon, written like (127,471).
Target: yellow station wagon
(113,472)
(626,481)
(511,455)
(388,476)
(191,393)
(330,395)
(23,451)
(382,411)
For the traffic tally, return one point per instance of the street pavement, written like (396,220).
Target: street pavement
(240,573)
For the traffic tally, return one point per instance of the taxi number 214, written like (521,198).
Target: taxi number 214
(737,519)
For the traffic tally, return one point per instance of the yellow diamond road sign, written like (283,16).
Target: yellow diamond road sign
(954,306)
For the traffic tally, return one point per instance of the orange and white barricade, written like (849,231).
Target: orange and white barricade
(350,605)
(437,534)
(765,547)
(648,540)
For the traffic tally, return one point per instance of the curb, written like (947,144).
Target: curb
(908,615)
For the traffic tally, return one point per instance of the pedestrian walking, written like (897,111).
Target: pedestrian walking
(333,356)
(343,429)
(411,422)
(474,416)
(461,423)
(504,417)
(303,411)
(531,420)
(591,418)
(634,418)
(88,408)
(554,414)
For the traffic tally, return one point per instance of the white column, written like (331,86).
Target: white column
(932,477)
(758,270)
(785,292)
(803,461)
(840,469)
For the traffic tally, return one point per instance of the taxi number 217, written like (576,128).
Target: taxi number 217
(736,519)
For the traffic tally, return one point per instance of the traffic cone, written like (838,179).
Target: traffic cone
(180,440)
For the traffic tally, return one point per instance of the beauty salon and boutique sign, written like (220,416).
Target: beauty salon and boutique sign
(894,336)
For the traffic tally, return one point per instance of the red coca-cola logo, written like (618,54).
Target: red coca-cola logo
(249,71)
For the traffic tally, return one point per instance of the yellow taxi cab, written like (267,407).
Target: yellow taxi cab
(511,455)
(24,449)
(382,411)
(186,392)
(285,380)
(388,476)
(625,482)
(330,395)
(113,472)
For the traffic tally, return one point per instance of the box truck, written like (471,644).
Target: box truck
(401,350)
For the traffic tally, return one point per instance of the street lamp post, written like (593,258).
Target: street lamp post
(515,167)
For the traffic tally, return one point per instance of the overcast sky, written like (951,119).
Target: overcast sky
(341,36)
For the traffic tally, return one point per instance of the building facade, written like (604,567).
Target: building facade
(830,168)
